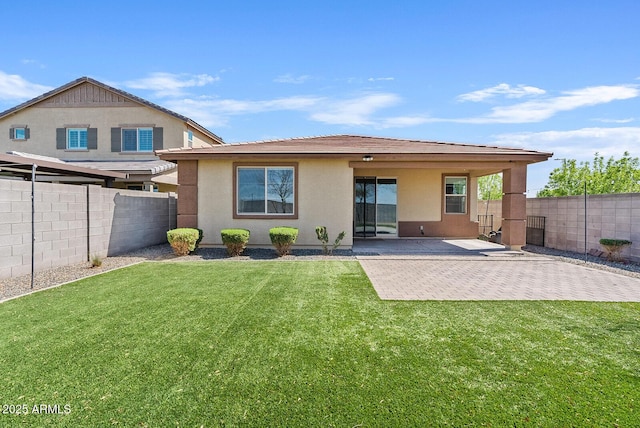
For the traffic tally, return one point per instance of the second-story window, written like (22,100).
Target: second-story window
(77,138)
(137,139)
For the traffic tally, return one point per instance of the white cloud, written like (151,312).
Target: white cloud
(359,110)
(290,78)
(33,62)
(378,79)
(216,112)
(356,111)
(580,144)
(504,89)
(169,84)
(16,88)
(539,110)
(627,120)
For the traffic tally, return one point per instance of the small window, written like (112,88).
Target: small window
(137,139)
(19,133)
(265,191)
(190,138)
(455,195)
(77,138)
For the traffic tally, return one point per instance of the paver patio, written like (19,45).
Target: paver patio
(485,272)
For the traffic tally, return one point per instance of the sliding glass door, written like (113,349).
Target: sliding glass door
(375,207)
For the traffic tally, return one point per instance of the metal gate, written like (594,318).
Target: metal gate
(485,223)
(535,230)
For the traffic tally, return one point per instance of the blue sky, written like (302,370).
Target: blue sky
(560,76)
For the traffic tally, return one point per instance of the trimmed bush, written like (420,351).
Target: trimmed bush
(183,240)
(283,239)
(323,237)
(614,247)
(200,235)
(235,240)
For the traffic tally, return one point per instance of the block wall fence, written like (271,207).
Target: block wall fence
(76,222)
(608,216)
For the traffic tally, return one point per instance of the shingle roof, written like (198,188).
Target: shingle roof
(344,145)
(120,92)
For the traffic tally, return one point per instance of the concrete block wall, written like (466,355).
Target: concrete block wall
(608,216)
(66,232)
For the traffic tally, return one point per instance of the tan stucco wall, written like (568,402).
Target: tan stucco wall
(420,192)
(325,198)
(43,122)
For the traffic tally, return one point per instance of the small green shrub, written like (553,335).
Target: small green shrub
(283,239)
(96,261)
(235,240)
(183,240)
(200,235)
(614,247)
(323,236)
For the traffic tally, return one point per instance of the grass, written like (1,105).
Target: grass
(308,344)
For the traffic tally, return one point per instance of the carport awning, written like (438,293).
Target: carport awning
(22,166)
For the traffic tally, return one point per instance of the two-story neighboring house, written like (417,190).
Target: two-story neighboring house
(86,123)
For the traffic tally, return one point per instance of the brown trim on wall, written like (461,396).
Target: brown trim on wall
(254,216)
(188,193)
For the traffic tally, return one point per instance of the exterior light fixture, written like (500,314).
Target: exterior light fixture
(367,158)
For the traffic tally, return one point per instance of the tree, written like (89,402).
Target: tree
(490,187)
(612,176)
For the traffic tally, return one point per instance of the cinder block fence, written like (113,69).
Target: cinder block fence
(607,216)
(75,222)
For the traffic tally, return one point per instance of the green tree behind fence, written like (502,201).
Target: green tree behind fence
(602,177)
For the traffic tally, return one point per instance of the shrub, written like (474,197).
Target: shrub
(235,239)
(183,240)
(283,239)
(614,247)
(323,236)
(96,261)
(200,235)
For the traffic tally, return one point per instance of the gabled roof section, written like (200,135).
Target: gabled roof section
(126,95)
(350,146)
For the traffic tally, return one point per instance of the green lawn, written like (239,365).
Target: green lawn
(308,344)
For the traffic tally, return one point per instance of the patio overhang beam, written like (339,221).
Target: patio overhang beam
(450,165)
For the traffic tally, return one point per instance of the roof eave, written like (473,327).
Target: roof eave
(532,157)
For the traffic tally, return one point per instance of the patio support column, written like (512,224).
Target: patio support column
(514,207)
(188,193)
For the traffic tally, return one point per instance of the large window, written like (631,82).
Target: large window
(77,138)
(455,195)
(265,191)
(137,139)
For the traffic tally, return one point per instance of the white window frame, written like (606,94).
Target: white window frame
(22,130)
(463,196)
(137,150)
(77,131)
(190,138)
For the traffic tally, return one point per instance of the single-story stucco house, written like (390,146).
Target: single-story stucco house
(365,186)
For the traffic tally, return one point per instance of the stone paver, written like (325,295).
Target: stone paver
(497,277)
